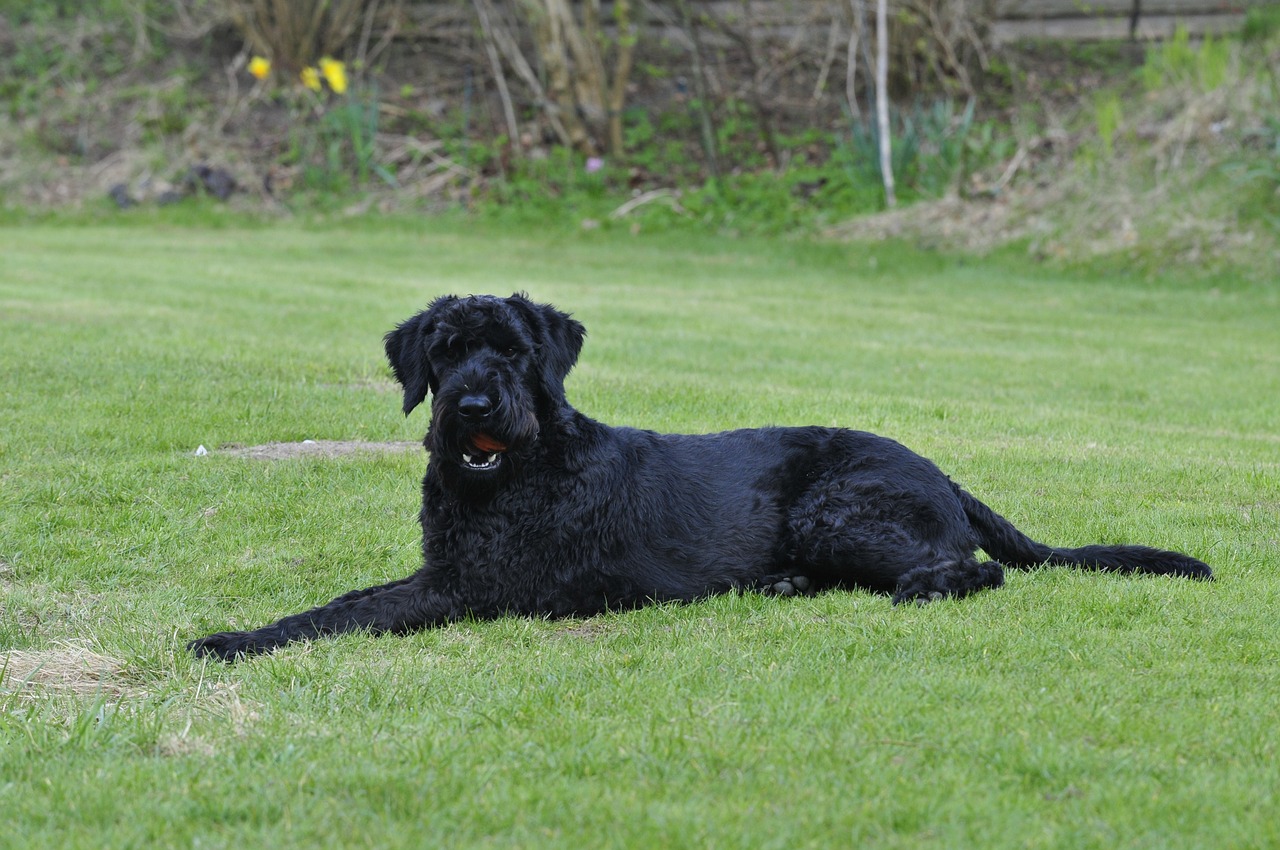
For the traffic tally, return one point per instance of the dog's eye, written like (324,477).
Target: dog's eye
(509,352)
(457,348)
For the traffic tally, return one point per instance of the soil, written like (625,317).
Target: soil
(316,448)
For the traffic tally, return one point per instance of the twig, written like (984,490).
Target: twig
(758,75)
(388,34)
(833,38)
(943,40)
(141,42)
(648,198)
(860,17)
(499,76)
(233,92)
(851,68)
(675,32)
(628,36)
(365,33)
(507,45)
(449,165)
(700,88)
(1010,171)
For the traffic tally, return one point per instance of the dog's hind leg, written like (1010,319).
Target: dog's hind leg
(936,581)
(401,606)
(897,528)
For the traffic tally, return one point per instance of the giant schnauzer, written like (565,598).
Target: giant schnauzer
(531,508)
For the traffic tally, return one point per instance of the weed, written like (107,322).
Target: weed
(1108,114)
(1261,22)
(934,148)
(1257,178)
(334,131)
(1177,62)
(169,109)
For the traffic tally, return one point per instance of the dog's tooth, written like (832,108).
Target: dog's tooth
(466,458)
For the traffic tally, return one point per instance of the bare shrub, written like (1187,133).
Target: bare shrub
(295,33)
(933,44)
(587,66)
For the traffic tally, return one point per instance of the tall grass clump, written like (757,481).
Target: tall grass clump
(1177,62)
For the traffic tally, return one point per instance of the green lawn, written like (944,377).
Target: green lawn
(1064,710)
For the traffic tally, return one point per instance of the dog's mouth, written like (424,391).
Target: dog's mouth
(483,453)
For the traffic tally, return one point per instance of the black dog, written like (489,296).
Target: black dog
(529,507)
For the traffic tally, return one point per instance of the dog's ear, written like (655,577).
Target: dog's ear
(407,353)
(559,338)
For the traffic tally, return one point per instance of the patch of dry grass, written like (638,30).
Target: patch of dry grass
(318,448)
(953,223)
(1187,175)
(69,669)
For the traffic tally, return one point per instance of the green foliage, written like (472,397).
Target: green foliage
(61,70)
(1256,179)
(747,203)
(334,140)
(1106,119)
(933,148)
(659,145)
(20,12)
(555,188)
(1177,62)
(79,80)
(27,74)
(738,135)
(1108,115)
(1261,22)
(828,178)
(170,108)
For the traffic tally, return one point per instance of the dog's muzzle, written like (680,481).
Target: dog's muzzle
(481,451)
(487,454)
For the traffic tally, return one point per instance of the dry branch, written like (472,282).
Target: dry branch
(587,90)
(295,33)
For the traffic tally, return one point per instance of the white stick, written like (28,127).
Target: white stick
(882,99)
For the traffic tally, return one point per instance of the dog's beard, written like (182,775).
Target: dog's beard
(480,456)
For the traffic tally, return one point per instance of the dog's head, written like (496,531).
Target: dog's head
(495,368)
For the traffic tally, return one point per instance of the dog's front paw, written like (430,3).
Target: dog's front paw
(225,646)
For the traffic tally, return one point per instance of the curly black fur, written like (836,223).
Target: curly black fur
(531,508)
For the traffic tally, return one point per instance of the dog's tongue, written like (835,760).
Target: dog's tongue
(485,443)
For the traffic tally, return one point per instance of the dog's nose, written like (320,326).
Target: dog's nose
(474,407)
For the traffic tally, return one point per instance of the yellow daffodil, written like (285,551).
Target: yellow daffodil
(260,67)
(310,78)
(335,74)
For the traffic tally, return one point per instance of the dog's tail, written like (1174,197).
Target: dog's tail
(1004,543)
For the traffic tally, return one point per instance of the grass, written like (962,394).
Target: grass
(1064,710)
